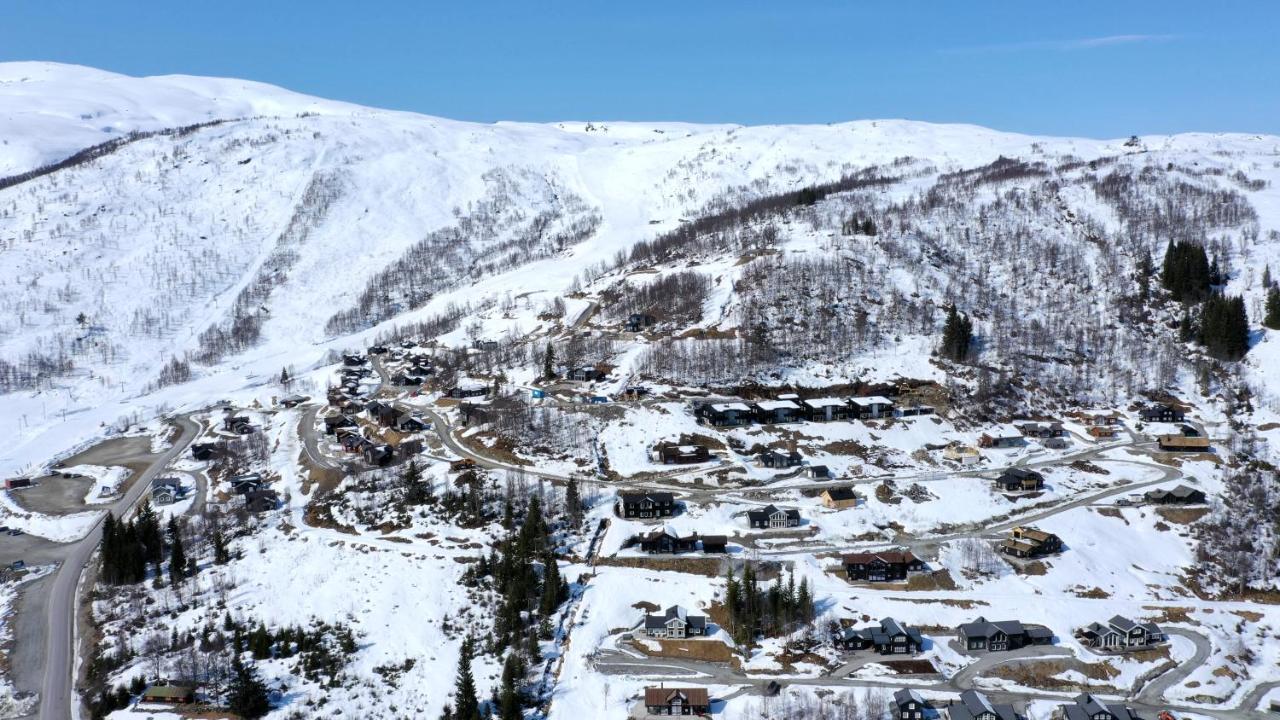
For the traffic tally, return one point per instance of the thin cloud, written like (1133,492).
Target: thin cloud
(1088,43)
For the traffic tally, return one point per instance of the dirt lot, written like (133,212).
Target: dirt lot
(707,567)
(704,650)
(911,667)
(56,495)
(1040,674)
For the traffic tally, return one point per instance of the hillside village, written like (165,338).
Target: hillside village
(827,442)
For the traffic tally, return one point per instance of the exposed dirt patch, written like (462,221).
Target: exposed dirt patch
(1096,593)
(704,650)
(1087,467)
(1182,516)
(940,580)
(706,567)
(911,667)
(1111,513)
(1167,615)
(1033,568)
(1043,674)
(950,602)
(845,447)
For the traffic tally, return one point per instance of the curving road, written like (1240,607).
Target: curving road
(56,693)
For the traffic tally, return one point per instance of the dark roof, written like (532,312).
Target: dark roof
(765,512)
(891,557)
(1021,473)
(985,628)
(1086,707)
(663,696)
(842,493)
(657,621)
(884,632)
(973,703)
(902,697)
(657,497)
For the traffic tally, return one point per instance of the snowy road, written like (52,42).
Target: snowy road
(58,650)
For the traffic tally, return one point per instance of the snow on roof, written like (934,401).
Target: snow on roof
(1004,430)
(725,407)
(872,400)
(824,402)
(777,405)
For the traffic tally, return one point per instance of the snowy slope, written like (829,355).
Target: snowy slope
(120,264)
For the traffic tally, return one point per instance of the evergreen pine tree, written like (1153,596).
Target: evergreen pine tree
(1186,330)
(1266,277)
(466,704)
(221,556)
(147,526)
(549,363)
(1272,317)
(1145,271)
(509,700)
(247,695)
(110,550)
(957,336)
(1224,327)
(416,491)
(177,556)
(550,585)
(804,602)
(573,502)
(1186,273)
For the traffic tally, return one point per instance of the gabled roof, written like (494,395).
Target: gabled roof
(636,497)
(675,611)
(891,557)
(985,628)
(771,510)
(973,704)
(841,493)
(902,697)
(664,696)
(1086,706)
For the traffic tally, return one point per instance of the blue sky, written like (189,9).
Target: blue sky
(1101,69)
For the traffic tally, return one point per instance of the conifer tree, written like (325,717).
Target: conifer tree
(573,502)
(957,336)
(1224,327)
(247,694)
(1186,330)
(509,700)
(221,556)
(549,363)
(1186,273)
(1272,317)
(177,556)
(466,704)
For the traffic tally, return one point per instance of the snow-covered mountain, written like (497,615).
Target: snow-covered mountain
(236,228)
